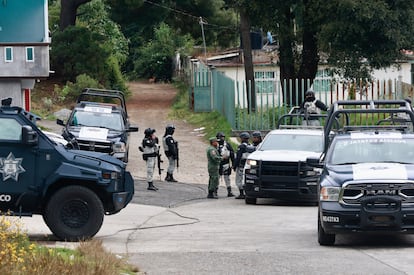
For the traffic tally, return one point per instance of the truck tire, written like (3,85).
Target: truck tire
(324,238)
(250,200)
(74,213)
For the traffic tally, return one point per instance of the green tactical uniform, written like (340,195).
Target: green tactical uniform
(214,159)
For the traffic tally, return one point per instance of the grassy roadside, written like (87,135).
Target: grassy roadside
(213,122)
(18,255)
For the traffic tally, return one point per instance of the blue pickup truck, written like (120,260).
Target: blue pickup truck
(367,179)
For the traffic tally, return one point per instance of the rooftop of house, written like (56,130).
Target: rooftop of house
(266,56)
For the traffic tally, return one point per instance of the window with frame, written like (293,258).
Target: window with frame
(8,54)
(11,130)
(264,81)
(29,54)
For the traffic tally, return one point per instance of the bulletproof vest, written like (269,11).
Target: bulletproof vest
(164,142)
(248,150)
(147,149)
(310,107)
(224,151)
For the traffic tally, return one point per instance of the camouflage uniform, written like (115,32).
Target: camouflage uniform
(214,159)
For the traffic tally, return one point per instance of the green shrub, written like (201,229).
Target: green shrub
(77,51)
(71,90)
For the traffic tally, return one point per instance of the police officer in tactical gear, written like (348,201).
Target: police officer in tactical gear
(214,159)
(150,149)
(311,106)
(243,151)
(171,151)
(256,138)
(227,153)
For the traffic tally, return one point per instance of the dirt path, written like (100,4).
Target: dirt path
(149,106)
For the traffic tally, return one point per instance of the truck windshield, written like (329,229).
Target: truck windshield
(350,151)
(296,142)
(93,119)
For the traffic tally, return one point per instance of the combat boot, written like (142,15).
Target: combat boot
(229,193)
(211,195)
(241,196)
(151,187)
(170,178)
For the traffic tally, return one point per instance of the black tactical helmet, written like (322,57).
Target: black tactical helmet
(220,135)
(244,135)
(257,134)
(309,93)
(169,129)
(149,131)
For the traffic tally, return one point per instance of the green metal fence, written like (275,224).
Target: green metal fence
(212,90)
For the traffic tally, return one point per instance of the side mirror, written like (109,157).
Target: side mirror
(29,136)
(132,129)
(60,122)
(314,162)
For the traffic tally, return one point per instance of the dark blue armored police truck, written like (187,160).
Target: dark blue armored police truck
(99,122)
(367,182)
(71,189)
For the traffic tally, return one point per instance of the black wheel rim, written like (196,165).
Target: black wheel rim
(75,213)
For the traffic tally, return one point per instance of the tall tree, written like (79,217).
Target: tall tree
(356,36)
(244,7)
(68,12)
(138,19)
(248,59)
(366,35)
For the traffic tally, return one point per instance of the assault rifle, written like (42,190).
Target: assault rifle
(176,147)
(159,161)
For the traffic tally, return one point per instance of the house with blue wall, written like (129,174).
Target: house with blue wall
(24,48)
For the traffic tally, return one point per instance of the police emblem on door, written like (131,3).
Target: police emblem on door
(11,167)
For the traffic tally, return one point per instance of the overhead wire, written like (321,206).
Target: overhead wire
(197,18)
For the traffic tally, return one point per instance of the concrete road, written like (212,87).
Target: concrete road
(193,235)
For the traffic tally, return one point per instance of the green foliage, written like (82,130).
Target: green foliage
(54,15)
(20,256)
(96,46)
(138,19)
(357,36)
(262,119)
(212,121)
(372,33)
(155,57)
(76,51)
(220,30)
(94,16)
(72,90)
(115,79)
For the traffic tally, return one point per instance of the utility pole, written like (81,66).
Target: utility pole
(202,23)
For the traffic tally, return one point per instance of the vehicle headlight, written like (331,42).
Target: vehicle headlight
(110,175)
(119,147)
(313,172)
(251,162)
(329,193)
(251,167)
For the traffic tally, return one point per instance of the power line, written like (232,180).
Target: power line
(198,18)
(171,9)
